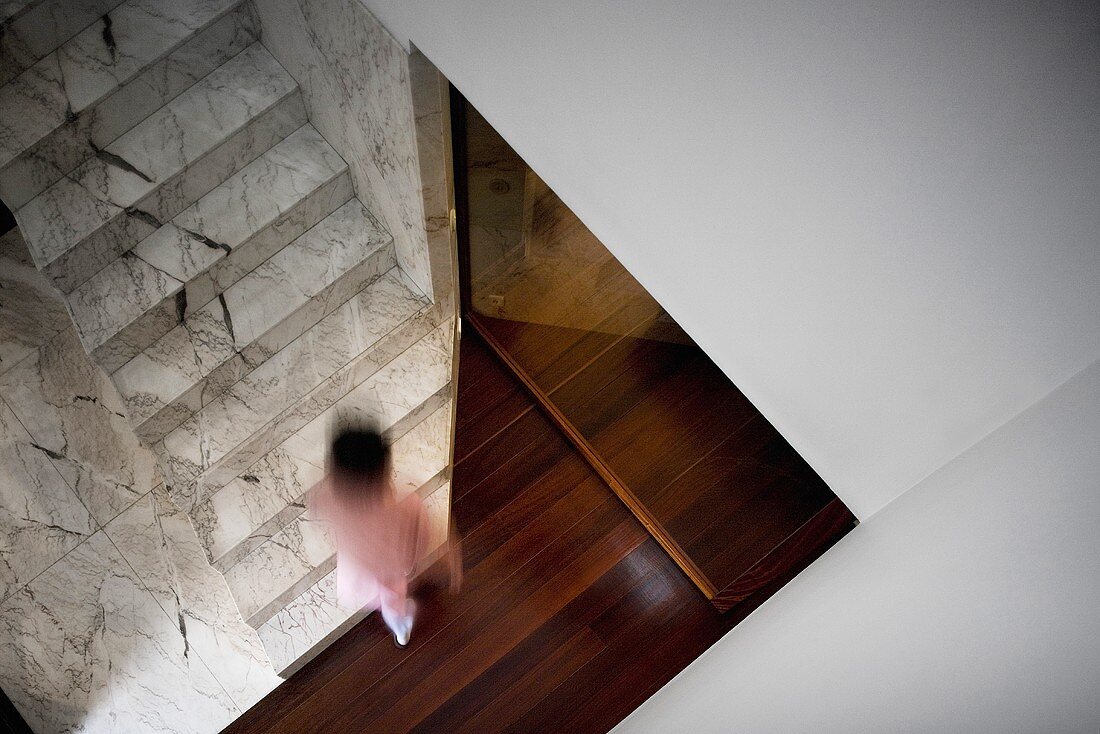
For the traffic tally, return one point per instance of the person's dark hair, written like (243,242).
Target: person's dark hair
(360,462)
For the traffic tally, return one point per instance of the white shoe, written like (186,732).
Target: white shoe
(403,632)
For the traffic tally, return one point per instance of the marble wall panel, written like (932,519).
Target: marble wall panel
(30,311)
(40,518)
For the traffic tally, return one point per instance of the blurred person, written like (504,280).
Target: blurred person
(380,539)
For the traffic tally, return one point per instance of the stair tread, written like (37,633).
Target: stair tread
(153,152)
(219,427)
(313,619)
(36,28)
(240,206)
(116,296)
(287,563)
(202,235)
(85,69)
(232,520)
(344,242)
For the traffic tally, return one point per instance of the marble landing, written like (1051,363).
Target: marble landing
(85,647)
(91,638)
(158,542)
(206,248)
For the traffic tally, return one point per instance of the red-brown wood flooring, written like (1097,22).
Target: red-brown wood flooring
(570,616)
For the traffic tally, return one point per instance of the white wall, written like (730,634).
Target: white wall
(970,604)
(880,219)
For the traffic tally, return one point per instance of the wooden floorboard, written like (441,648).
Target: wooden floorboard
(569,617)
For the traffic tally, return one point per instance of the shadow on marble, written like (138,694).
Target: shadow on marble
(157,539)
(85,647)
(31,311)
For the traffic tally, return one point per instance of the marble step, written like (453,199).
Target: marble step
(268,495)
(36,28)
(208,247)
(167,162)
(76,100)
(314,619)
(388,326)
(288,563)
(259,315)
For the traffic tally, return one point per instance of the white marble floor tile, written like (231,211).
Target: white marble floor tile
(86,648)
(30,310)
(157,539)
(41,518)
(72,410)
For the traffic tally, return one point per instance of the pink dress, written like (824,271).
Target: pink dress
(378,546)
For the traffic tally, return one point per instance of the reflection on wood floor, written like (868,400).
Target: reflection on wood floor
(715,481)
(533,260)
(570,617)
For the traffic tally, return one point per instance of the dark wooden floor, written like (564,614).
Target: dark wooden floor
(571,615)
(727,493)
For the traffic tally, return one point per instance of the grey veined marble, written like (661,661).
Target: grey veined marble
(246,421)
(38,28)
(41,518)
(56,134)
(71,409)
(139,297)
(30,311)
(160,545)
(85,647)
(161,166)
(256,317)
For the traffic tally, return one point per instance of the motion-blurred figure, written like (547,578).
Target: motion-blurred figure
(380,540)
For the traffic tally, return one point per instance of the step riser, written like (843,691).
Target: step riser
(192,482)
(313,620)
(319,399)
(313,553)
(163,317)
(419,452)
(33,34)
(75,141)
(174,195)
(245,361)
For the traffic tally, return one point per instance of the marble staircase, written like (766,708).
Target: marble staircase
(218,266)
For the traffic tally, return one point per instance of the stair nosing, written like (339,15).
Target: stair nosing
(427,312)
(240,246)
(383,251)
(400,428)
(144,198)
